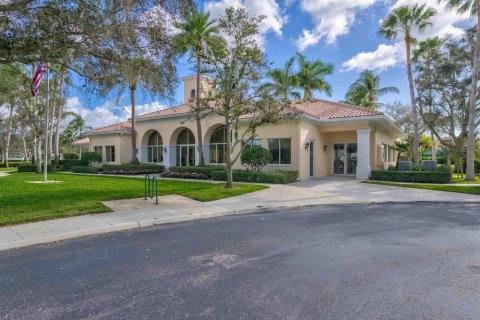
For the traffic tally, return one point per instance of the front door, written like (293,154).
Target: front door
(311,159)
(339,158)
(345,158)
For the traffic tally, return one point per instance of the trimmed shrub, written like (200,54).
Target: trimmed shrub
(14,164)
(281,177)
(91,157)
(207,171)
(255,158)
(85,169)
(184,175)
(132,169)
(412,176)
(71,156)
(33,168)
(68,164)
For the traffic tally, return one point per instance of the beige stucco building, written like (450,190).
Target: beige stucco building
(324,138)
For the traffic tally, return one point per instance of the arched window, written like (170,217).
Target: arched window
(185,148)
(155,148)
(192,94)
(218,145)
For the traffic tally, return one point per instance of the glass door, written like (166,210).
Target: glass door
(339,159)
(351,158)
(311,159)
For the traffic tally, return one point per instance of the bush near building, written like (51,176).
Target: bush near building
(132,169)
(85,169)
(444,176)
(33,168)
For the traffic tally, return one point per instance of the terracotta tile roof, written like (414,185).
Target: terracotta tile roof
(82,141)
(323,109)
(117,127)
(317,108)
(178,110)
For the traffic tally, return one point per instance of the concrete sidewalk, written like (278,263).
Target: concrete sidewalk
(137,213)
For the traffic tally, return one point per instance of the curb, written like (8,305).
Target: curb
(155,222)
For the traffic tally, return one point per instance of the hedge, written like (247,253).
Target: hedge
(71,156)
(207,171)
(261,177)
(14,164)
(33,168)
(184,175)
(412,176)
(85,169)
(132,169)
(68,164)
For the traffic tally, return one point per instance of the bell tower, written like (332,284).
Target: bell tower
(190,87)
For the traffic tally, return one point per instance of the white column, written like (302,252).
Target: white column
(363,153)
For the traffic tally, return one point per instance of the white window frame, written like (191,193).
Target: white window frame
(108,155)
(280,151)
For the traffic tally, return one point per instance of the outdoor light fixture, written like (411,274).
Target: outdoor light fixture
(307,145)
(164,149)
(325,148)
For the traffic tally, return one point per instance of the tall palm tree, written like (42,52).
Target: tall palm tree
(311,76)
(425,53)
(284,82)
(197,34)
(473,6)
(365,91)
(405,20)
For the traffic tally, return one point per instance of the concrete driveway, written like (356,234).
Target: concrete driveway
(336,190)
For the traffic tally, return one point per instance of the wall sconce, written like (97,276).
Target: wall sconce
(325,148)
(307,145)
(164,149)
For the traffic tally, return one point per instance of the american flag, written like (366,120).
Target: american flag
(37,78)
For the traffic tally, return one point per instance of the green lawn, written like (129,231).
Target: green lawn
(21,201)
(7,169)
(457,179)
(437,187)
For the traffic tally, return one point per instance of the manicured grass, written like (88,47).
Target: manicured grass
(21,201)
(456,178)
(437,187)
(7,169)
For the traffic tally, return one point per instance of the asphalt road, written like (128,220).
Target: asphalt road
(363,262)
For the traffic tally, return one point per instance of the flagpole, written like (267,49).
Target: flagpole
(45,164)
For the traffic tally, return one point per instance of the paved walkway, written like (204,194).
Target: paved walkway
(136,213)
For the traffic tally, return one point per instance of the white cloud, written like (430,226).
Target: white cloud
(385,56)
(332,18)
(382,58)
(274,15)
(108,113)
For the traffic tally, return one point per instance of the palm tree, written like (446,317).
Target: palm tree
(473,6)
(366,90)
(197,34)
(284,82)
(425,52)
(311,76)
(405,20)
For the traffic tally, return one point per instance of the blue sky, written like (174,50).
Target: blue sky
(343,32)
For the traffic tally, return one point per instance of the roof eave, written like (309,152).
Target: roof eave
(107,133)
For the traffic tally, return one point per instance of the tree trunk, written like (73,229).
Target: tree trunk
(59,115)
(52,118)
(25,153)
(38,153)
(473,104)
(134,160)
(198,115)
(229,167)
(9,135)
(416,157)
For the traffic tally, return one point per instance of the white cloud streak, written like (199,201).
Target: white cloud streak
(274,20)
(332,18)
(387,56)
(108,113)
